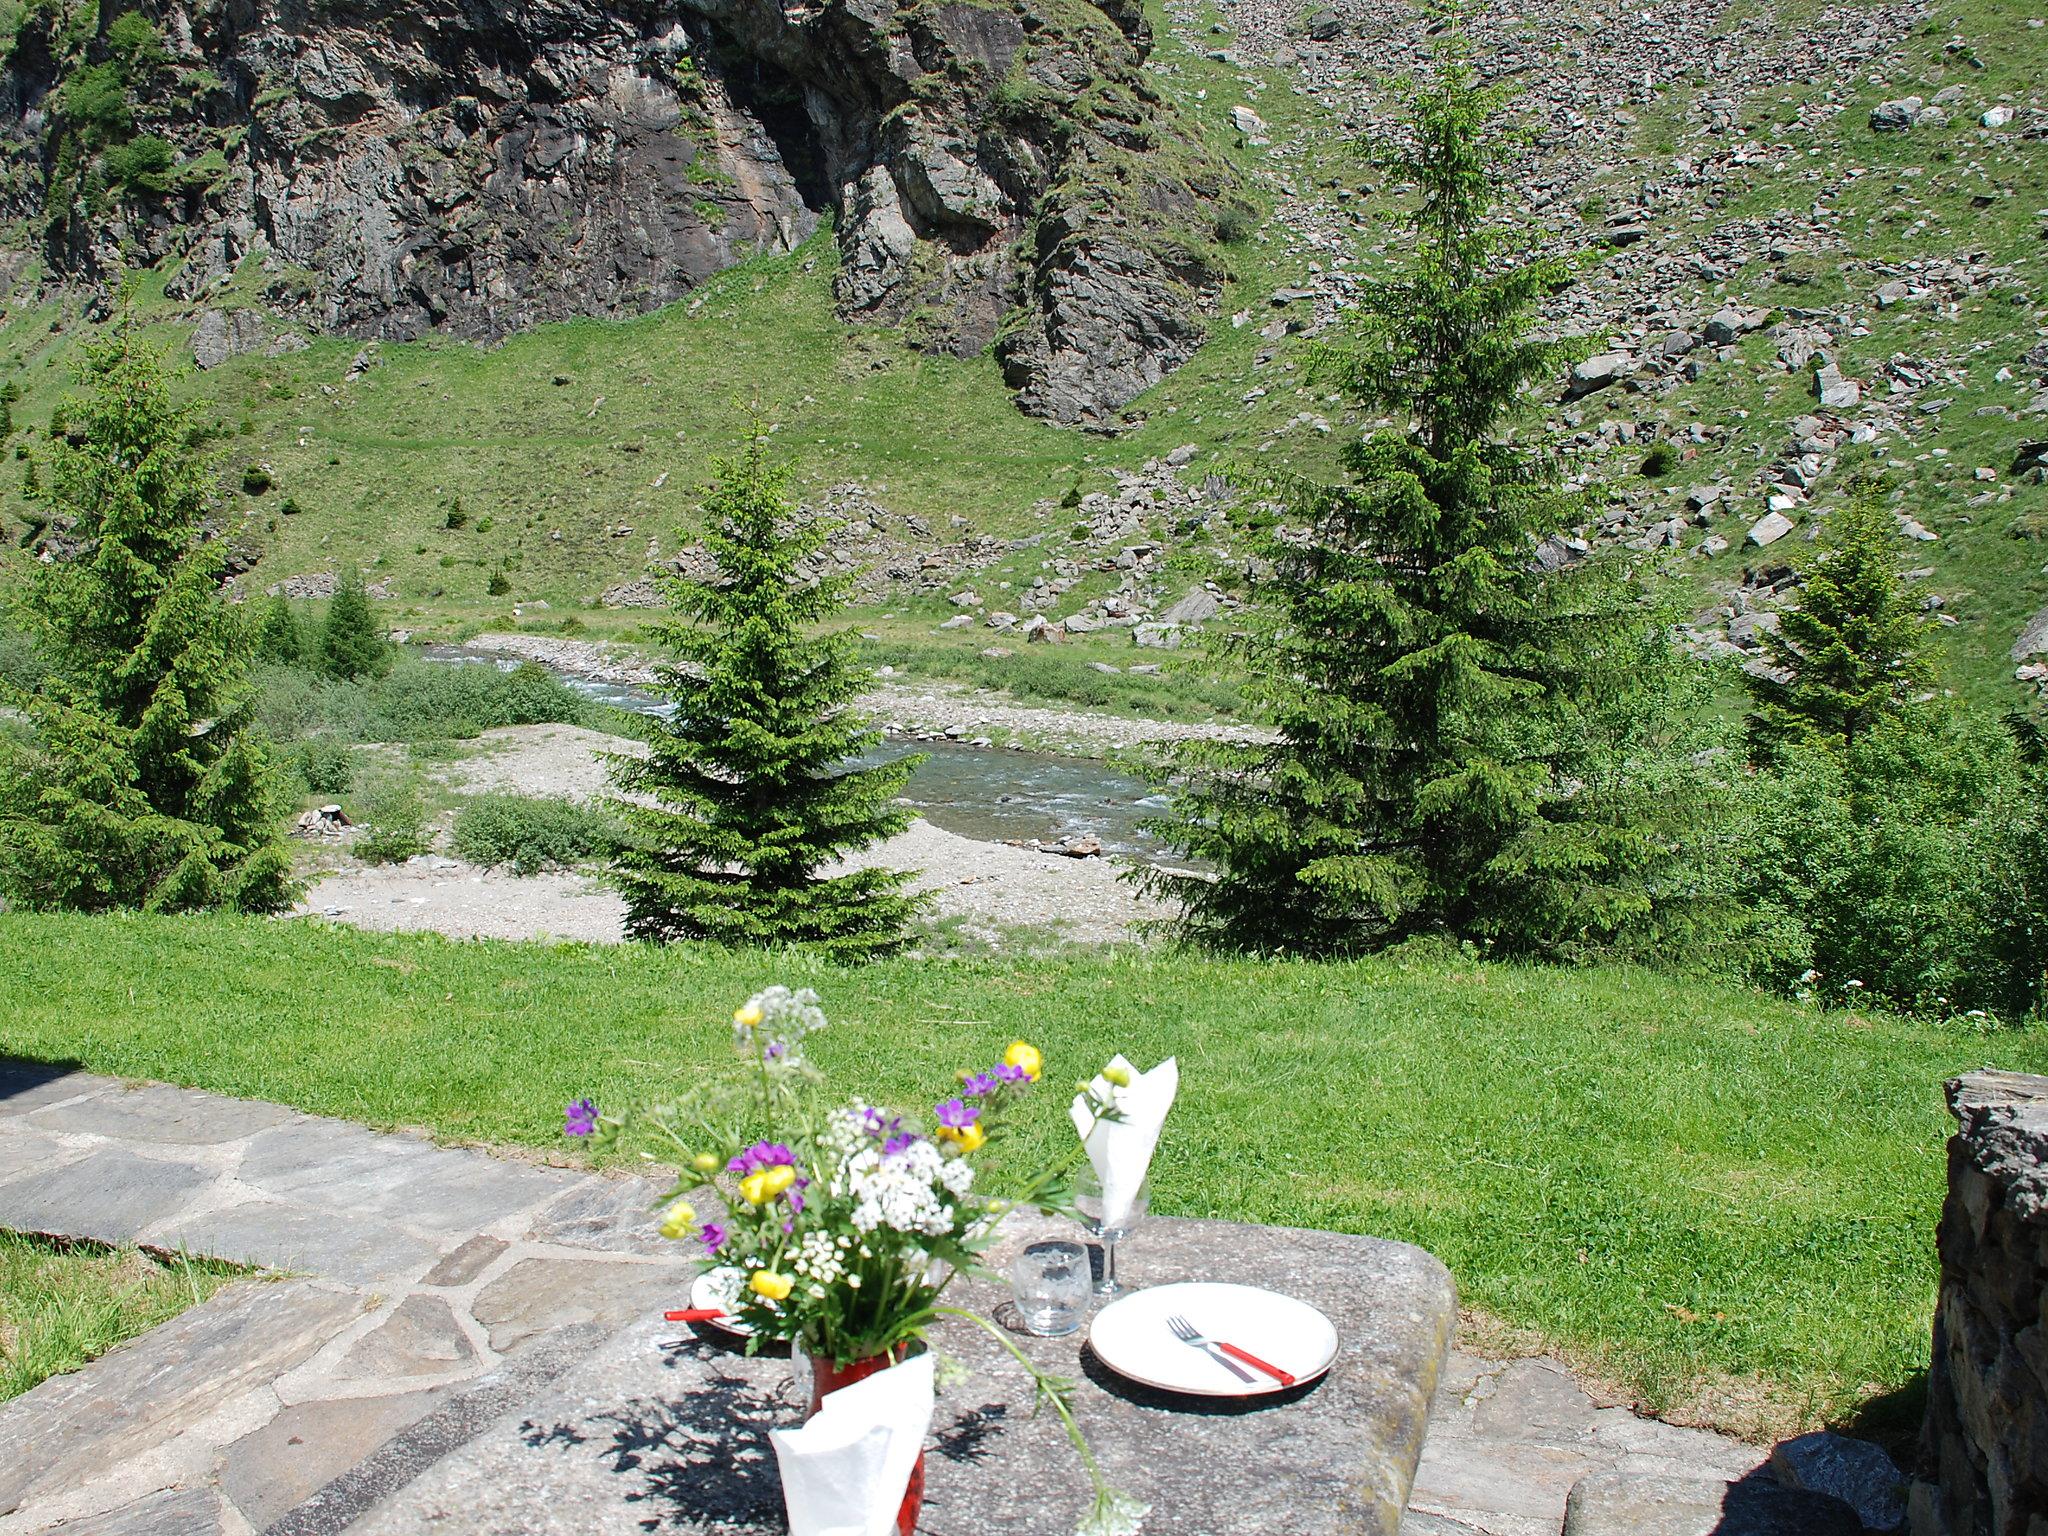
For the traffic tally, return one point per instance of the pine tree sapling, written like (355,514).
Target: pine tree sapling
(141,786)
(279,640)
(350,646)
(1851,651)
(1426,673)
(751,794)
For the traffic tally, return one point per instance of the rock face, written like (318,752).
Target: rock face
(1985,1441)
(399,167)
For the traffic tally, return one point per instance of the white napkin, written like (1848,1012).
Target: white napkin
(1121,1150)
(844,1473)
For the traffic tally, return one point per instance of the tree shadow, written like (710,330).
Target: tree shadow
(21,1076)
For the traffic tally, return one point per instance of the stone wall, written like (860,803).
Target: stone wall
(1985,1444)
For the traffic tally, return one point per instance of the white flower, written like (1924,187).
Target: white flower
(1114,1514)
(899,1191)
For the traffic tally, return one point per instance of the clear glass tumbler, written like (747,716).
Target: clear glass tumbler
(1088,1202)
(1049,1282)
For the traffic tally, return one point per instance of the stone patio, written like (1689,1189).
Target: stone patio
(459,1333)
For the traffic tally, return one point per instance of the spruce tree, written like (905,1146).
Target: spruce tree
(350,646)
(748,778)
(1426,674)
(141,787)
(1850,653)
(279,640)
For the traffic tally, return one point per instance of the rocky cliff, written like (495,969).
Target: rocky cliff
(997,172)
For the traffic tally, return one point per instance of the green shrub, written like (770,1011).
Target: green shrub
(532,834)
(418,700)
(326,766)
(388,807)
(499,584)
(457,518)
(350,646)
(1659,461)
(256,480)
(143,164)
(279,640)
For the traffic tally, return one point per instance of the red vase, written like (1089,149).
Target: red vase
(828,1377)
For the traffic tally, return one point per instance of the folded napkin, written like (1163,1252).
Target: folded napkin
(1121,1150)
(844,1473)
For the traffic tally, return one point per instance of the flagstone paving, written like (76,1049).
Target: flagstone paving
(433,1301)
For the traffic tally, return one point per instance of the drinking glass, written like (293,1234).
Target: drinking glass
(1088,1202)
(1049,1282)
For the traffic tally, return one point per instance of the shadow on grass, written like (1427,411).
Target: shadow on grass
(1891,1419)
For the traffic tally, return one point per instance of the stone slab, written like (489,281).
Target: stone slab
(167,1512)
(22,1149)
(162,1115)
(607,1214)
(1534,1400)
(110,1194)
(419,1341)
(467,1262)
(358,1249)
(74,1427)
(542,1294)
(26,1086)
(659,1432)
(1609,1504)
(407,1182)
(273,1469)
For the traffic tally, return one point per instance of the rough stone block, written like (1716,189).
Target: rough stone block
(158,1113)
(270,1470)
(1858,1473)
(167,1512)
(1609,1504)
(109,1194)
(302,1239)
(537,1296)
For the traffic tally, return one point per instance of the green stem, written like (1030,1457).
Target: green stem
(1047,1388)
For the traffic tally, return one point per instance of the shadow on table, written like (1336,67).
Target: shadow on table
(1183,1402)
(20,1077)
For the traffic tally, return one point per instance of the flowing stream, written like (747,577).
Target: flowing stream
(972,791)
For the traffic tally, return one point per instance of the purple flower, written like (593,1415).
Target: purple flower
(980,1086)
(580,1119)
(796,1202)
(898,1143)
(1008,1073)
(762,1154)
(713,1236)
(956,1113)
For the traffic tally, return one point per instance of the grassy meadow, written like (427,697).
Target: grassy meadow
(1722,1202)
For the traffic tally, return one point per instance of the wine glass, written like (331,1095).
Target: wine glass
(1088,1203)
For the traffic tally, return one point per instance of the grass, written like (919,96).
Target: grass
(66,1303)
(1724,1202)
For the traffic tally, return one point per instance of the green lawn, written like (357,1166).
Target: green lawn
(1724,1202)
(63,1304)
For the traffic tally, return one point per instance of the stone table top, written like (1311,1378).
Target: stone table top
(665,1428)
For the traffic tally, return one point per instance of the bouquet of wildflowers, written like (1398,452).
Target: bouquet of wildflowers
(842,1224)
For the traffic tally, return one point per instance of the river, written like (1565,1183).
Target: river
(993,795)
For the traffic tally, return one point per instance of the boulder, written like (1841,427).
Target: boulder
(1769,528)
(1734,321)
(1896,115)
(2033,639)
(1997,117)
(1165,637)
(1858,1473)
(1325,27)
(959,621)
(1250,124)
(1197,607)
(1834,391)
(1597,373)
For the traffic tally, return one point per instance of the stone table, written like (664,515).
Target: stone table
(665,1428)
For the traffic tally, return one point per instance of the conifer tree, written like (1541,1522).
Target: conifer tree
(1423,669)
(752,795)
(350,646)
(279,640)
(141,787)
(1850,653)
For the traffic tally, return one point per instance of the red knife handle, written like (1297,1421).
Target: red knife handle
(1284,1378)
(693,1315)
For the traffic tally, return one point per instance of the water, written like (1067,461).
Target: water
(972,791)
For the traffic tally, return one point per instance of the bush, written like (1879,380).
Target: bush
(350,646)
(1659,461)
(499,584)
(393,817)
(279,640)
(531,834)
(418,700)
(326,766)
(256,480)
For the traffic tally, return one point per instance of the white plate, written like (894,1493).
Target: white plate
(1130,1336)
(716,1288)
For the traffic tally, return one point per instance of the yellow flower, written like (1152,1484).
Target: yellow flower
(769,1285)
(705,1162)
(778,1178)
(1025,1055)
(748,1016)
(754,1188)
(969,1137)
(677,1220)
(1120,1076)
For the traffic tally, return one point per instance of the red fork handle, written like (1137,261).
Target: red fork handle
(1285,1378)
(693,1315)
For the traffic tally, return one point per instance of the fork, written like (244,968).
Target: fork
(1191,1336)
